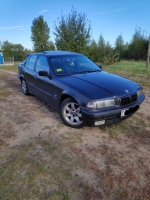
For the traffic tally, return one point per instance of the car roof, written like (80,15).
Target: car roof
(57,53)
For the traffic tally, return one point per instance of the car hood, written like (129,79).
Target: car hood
(97,85)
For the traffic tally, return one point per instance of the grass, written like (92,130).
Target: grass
(135,71)
(5,94)
(132,127)
(40,171)
(12,68)
(59,163)
(128,68)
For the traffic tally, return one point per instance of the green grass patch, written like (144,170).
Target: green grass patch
(5,94)
(12,68)
(131,127)
(135,71)
(128,68)
(40,170)
(47,168)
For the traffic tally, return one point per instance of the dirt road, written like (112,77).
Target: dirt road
(117,157)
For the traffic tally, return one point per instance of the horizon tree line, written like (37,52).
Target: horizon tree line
(73,33)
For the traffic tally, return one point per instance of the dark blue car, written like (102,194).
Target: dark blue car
(81,91)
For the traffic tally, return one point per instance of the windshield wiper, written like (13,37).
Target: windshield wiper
(89,71)
(67,74)
(82,72)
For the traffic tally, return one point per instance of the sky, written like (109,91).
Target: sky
(107,17)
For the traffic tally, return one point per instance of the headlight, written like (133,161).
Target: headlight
(101,104)
(105,103)
(139,92)
(91,104)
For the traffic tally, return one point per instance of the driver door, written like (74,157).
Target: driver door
(44,85)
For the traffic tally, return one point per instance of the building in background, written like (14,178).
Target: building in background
(1,58)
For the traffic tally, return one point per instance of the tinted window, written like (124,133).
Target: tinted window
(42,64)
(73,64)
(31,62)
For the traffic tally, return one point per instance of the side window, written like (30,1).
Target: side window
(26,62)
(42,64)
(31,62)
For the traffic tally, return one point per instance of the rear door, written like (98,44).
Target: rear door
(43,84)
(29,73)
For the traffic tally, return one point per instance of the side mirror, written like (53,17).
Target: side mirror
(50,76)
(100,66)
(43,73)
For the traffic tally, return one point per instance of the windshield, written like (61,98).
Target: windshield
(73,64)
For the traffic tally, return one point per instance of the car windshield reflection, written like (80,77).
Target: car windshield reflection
(73,64)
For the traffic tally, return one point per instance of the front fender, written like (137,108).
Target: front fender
(79,98)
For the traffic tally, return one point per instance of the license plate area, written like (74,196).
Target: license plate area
(129,111)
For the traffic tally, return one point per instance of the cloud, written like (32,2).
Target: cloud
(102,13)
(10,27)
(118,10)
(20,28)
(3,39)
(43,11)
(107,12)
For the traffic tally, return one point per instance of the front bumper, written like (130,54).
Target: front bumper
(109,116)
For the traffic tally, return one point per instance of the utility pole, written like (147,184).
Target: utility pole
(148,55)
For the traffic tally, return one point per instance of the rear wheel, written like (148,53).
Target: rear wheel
(24,87)
(71,114)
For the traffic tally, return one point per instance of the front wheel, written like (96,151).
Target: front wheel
(71,114)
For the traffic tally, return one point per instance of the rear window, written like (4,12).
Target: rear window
(31,62)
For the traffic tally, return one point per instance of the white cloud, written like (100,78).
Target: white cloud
(10,27)
(102,13)
(3,39)
(107,12)
(43,11)
(118,10)
(20,29)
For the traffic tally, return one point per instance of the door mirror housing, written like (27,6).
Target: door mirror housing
(45,73)
(100,66)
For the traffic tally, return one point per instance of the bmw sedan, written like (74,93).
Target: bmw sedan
(78,89)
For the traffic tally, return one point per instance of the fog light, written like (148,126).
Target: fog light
(99,122)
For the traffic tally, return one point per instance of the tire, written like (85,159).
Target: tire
(71,114)
(24,87)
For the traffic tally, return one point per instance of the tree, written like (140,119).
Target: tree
(148,55)
(138,46)
(18,52)
(119,46)
(73,32)
(40,35)
(51,45)
(7,49)
(0,46)
(93,50)
(14,50)
(101,48)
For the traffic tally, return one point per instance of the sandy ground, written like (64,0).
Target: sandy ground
(23,118)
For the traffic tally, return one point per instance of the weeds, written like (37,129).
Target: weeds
(59,162)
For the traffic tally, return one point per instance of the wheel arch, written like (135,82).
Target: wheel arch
(65,96)
(21,77)
(73,116)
